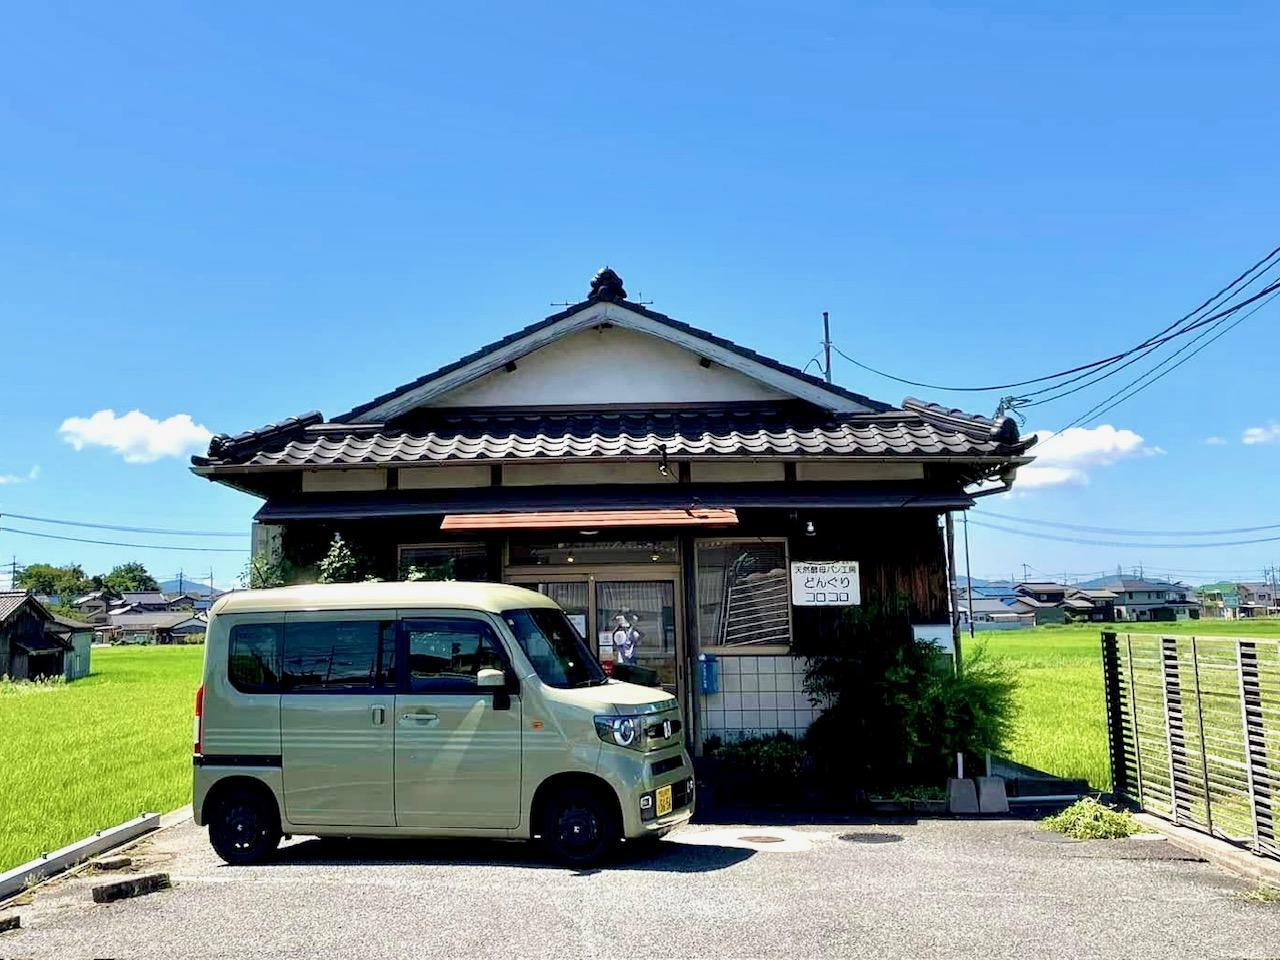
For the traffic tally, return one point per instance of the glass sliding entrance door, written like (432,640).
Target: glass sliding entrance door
(574,598)
(629,616)
(635,626)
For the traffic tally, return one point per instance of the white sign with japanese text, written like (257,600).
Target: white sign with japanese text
(825,583)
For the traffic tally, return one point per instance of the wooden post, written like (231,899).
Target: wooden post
(1174,735)
(1261,802)
(1115,714)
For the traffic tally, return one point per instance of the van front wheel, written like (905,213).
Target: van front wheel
(245,828)
(580,828)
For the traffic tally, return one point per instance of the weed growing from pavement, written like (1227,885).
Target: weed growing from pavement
(1088,819)
(1262,893)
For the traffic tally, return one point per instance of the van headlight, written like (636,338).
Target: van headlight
(621,731)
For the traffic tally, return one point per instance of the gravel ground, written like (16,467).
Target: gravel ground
(932,888)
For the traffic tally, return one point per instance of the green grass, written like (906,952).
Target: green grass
(1088,819)
(79,757)
(1061,726)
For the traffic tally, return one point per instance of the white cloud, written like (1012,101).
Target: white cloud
(135,436)
(1215,441)
(1268,434)
(1067,458)
(8,479)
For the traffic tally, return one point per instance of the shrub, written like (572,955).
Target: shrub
(897,713)
(1087,819)
(769,766)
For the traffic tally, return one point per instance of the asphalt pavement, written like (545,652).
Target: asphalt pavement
(973,889)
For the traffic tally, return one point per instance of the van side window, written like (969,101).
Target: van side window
(338,655)
(253,660)
(446,653)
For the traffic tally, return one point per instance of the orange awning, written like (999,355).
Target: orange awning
(549,519)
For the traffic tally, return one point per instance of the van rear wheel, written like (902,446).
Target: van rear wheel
(245,827)
(580,827)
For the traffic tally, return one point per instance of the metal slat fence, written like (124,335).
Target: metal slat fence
(1194,731)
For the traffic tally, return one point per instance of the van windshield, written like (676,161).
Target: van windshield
(553,646)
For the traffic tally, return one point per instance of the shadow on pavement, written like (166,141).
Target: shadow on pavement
(658,856)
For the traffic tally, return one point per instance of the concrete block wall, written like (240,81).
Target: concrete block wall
(758,695)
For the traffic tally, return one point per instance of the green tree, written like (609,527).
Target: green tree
(340,564)
(130,577)
(67,582)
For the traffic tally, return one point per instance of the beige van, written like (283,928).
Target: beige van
(425,709)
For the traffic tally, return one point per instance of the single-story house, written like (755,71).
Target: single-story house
(34,643)
(151,627)
(1042,611)
(990,613)
(661,482)
(80,638)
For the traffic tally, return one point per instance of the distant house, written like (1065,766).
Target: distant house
(1257,599)
(153,601)
(992,614)
(1140,599)
(1044,591)
(1094,604)
(96,605)
(1043,611)
(34,643)
(157,626)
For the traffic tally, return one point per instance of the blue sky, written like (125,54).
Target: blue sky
(238,212)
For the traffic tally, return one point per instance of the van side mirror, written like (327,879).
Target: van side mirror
(488,678)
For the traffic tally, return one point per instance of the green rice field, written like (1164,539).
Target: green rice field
(1062,721)
(78,757)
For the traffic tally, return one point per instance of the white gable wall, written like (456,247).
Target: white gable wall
(611,365)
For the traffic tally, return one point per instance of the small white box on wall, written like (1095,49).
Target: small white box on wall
(936,633)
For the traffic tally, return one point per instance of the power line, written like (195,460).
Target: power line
(110,526)
(1116,543)
(114,543)
(1090,414)
(1093,377)
(1161,337)
(1126,533)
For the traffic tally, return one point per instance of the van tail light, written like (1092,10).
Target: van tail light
(198,748)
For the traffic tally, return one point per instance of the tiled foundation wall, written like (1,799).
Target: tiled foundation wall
(758,695)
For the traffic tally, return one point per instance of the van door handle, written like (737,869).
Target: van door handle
(425,719)
(379,715)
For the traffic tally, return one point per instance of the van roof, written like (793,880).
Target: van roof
(450,594)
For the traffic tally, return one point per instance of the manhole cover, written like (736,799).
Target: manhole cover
(761,838)
(870,837)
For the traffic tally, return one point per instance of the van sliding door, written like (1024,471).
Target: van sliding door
(335,717)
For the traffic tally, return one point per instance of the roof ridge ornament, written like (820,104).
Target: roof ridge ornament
(607,285)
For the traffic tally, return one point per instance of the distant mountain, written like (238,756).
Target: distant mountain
(193,587)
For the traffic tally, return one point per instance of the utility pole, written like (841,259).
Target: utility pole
(1026,577)
(968,573)
(826,344)
(180,590)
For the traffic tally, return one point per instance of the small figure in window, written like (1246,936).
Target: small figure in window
(626,638)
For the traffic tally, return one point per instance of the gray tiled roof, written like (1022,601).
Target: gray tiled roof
(11,600)
(743,430)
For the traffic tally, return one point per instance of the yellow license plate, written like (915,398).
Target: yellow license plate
(664,801)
